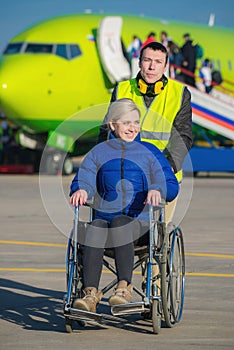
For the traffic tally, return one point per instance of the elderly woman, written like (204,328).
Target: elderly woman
(123,174)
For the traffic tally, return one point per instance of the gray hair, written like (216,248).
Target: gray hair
(120,107)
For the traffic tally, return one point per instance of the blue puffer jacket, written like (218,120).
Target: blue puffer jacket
(119,175)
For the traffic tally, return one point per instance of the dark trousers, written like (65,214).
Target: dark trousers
(118,235)
(190,80)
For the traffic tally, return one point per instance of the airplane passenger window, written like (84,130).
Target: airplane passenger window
(12,48)
(39,48)
(75,51)
(61,50)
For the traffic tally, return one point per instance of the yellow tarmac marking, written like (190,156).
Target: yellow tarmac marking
(39,244)
(44,244)
(204,274)
(29,269)
(199,274)
(210,255)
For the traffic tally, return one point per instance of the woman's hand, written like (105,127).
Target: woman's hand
(153,197)
(79,198)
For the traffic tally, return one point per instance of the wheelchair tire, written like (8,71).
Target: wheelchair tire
(156,317)
(172,278)
(73,274)
(68,325)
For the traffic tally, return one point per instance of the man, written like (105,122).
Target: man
(165,38)
(188,51)
(134,53)
(150,38)
(6,141)
(166,114)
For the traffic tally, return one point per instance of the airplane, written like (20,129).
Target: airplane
(56,79)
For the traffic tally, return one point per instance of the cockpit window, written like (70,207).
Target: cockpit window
(74,51)
(39,48)
(61,51)
(12,48)
(67,51)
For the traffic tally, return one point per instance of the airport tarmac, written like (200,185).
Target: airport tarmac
(33,283)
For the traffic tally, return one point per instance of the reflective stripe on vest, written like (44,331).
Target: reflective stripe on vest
(156,121)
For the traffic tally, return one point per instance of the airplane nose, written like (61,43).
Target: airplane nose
(5,74)
(18,86)
(9,88)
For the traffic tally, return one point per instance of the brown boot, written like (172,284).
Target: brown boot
(90,301)
(122,294)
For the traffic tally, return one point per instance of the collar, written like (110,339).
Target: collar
(164,80)
(117,142)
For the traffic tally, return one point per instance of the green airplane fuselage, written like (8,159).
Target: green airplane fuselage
(40,91)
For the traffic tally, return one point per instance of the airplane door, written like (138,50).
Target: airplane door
(110,50)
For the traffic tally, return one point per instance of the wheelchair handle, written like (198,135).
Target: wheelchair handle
(160,205)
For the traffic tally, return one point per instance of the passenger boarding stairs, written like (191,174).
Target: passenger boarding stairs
(214,112)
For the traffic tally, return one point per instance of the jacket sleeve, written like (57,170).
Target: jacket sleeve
(86,175)
(180,140)
(162,176)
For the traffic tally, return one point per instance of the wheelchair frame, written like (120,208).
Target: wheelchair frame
(163,297)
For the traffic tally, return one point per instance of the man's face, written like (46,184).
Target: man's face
(153,65)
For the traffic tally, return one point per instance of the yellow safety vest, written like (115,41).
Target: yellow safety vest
(156,121)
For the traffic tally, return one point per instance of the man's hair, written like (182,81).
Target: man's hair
(120,107)
(156,46)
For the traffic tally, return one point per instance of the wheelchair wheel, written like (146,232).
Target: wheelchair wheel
(73,286)
(156,316)
(74,282)
(73,272)
(68,326)
(172,278)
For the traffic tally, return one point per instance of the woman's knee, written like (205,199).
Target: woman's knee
(96,234)
(99,223)
(123,230)
(120,220)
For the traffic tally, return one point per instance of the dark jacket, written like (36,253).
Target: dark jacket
(119,175)
(180,140)
(188,51)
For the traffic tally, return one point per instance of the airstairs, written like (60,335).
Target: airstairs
(213,112)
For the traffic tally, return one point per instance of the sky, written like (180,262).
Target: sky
(17,15)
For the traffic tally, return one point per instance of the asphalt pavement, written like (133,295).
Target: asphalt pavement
(35,219)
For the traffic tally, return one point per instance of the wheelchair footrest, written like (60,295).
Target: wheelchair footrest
(130,308)
(89,317)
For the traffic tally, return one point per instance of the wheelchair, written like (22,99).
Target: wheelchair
(161,294)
